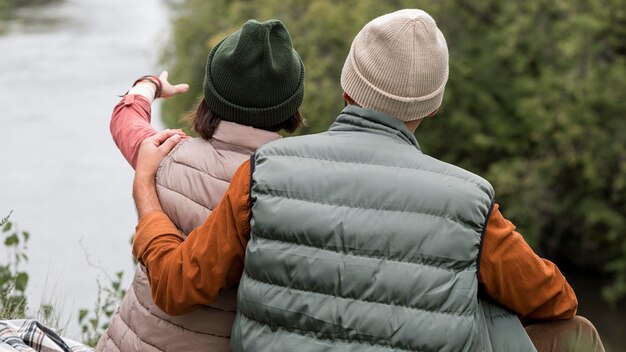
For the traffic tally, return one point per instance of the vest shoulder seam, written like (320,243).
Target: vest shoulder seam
(329,339)
(282,194)
(447,313)
(482,187)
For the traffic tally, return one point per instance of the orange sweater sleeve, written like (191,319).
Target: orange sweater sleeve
(185,275)
(514,276)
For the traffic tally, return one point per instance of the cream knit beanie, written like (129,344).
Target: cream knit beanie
(398,65)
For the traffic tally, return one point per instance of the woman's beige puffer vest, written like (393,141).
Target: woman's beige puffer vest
(190,182)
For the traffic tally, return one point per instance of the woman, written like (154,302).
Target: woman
(253,88)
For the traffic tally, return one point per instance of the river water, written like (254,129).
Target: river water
(61,69)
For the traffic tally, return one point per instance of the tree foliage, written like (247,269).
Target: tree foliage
(534,103)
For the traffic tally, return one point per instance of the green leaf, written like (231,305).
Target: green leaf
(12,240)
(21,281)
(7,227)
(81,316)
(46,310)
(26,235)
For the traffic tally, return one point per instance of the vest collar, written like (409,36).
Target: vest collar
(366,120)
(243,136)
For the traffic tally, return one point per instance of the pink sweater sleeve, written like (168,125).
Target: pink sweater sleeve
(130,125)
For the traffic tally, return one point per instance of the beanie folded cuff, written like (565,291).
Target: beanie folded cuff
(255,117)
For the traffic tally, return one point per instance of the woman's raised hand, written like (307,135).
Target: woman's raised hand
(168,90)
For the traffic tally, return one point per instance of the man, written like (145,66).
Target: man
(353,238)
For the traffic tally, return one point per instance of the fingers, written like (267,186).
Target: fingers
(169,144)
(160,137)
(154,149)
(181,88)
(168,89)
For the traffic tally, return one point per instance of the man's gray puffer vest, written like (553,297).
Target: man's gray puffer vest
(191,180)
(360,242)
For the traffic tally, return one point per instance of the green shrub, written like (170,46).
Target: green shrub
(93,323)
(13,280)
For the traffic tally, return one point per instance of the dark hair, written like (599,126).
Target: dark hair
(205,122)
(290,125)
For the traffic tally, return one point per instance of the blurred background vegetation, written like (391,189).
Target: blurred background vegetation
(535,103)
(8,5)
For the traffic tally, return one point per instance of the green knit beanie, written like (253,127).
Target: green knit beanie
(254,76)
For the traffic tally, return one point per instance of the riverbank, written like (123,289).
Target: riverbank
(63,176)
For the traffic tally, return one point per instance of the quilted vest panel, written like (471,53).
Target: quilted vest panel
(191,180)
(362,243)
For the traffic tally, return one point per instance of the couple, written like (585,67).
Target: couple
(348,240)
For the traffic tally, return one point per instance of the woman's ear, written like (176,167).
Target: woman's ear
(348,99)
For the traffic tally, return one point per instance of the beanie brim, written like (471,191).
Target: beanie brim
(252,116)
(368,96)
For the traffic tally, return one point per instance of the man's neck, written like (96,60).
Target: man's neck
(412,125)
